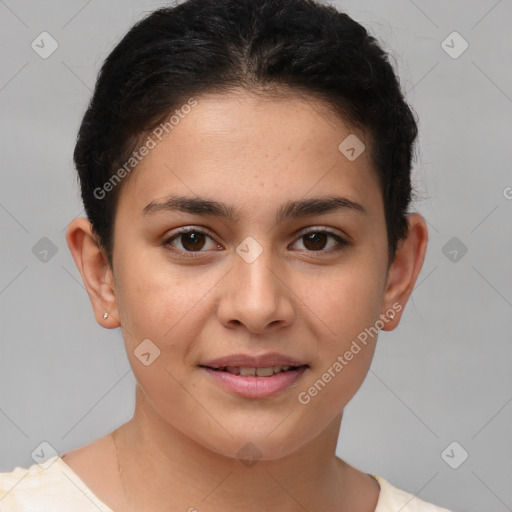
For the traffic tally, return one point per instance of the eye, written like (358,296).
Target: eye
(191,239)
(315,240)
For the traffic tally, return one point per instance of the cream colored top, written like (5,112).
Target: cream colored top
(54,487)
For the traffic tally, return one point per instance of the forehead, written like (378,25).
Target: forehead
(251,148)
(295,124)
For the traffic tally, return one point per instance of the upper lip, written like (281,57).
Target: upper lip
(246,361)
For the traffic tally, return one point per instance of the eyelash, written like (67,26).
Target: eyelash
(341,242)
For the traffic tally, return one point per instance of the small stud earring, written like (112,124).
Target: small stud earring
(105,316)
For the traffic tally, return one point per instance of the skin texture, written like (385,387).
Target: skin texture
(180,448)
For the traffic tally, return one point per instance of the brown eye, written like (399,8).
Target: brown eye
(315,241)
(190,240)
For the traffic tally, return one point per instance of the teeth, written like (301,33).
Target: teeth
(268,371)
(265,372)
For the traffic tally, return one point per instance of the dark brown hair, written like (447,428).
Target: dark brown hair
(203,46)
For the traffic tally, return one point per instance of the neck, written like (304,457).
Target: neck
(161,468)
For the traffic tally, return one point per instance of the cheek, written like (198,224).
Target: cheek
(331,388)
(348,303)
(345,350)
(156,298)
(348,307)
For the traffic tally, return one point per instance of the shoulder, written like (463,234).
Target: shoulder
(47,487)
(392,499)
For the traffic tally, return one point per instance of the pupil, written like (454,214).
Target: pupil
(314,237)
(194,238)
(316,241)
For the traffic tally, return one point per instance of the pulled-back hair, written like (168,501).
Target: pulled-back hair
(270,47)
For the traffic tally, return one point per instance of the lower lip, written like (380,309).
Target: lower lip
(254,386)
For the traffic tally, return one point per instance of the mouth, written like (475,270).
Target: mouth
(255,377)
(265,371)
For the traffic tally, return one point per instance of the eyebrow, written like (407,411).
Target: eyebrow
(290,209)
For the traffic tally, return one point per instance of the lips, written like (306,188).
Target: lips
(246,371)
(245,364)
(255,376)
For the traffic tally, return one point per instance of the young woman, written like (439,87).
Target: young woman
(245,169)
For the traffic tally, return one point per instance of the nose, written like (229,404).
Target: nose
(255,294)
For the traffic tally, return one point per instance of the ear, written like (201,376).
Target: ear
(404,270)
(96,273)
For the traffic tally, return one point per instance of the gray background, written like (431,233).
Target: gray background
(442,376)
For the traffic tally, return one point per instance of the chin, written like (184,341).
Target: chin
(253,445)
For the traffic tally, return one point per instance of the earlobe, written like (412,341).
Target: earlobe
(405,269)
(95,271)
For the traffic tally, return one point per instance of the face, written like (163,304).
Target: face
(255,289)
